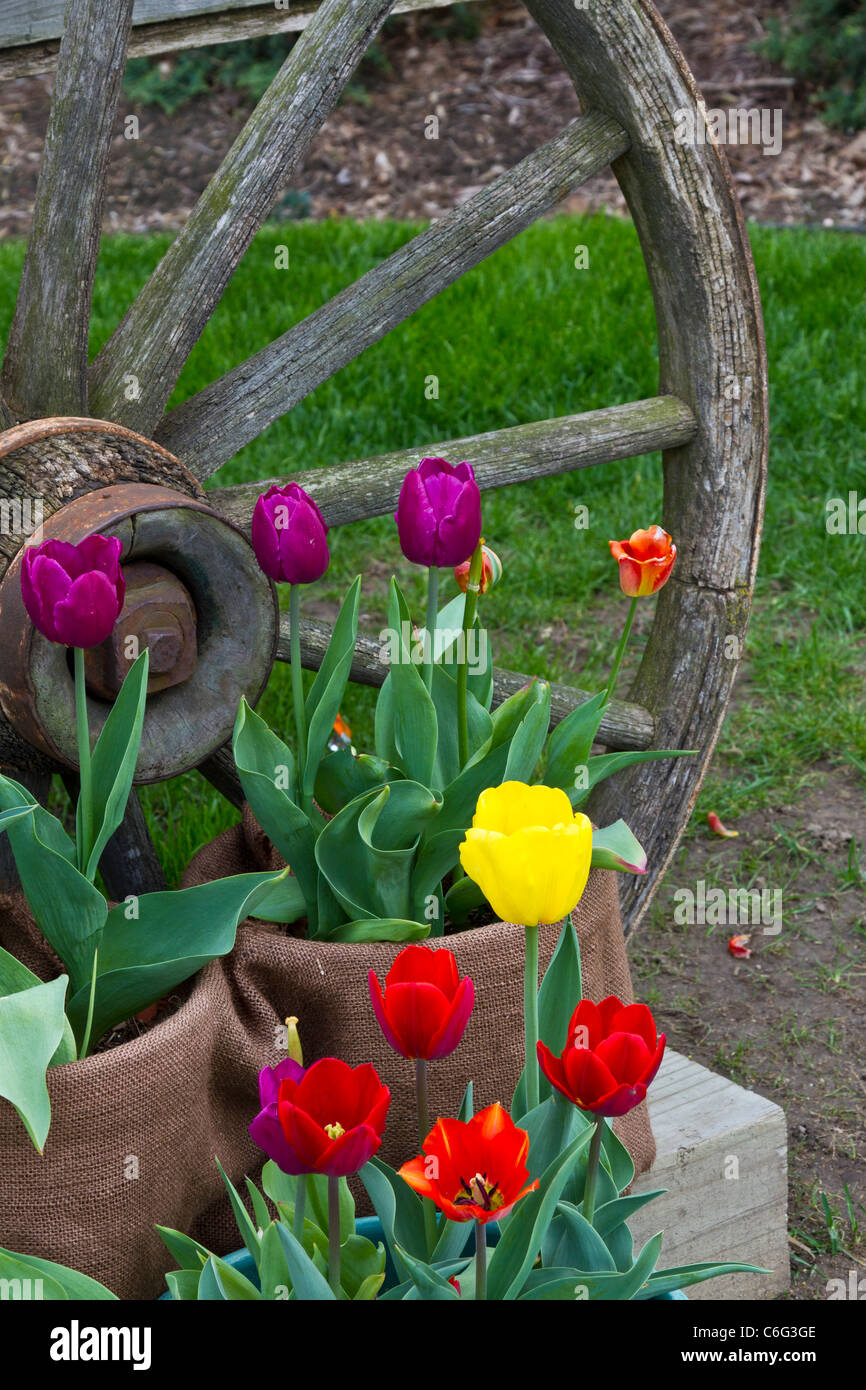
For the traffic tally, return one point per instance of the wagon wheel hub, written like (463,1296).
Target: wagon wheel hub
(195,597)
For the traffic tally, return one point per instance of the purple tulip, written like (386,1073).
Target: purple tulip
(266,1130)
(439,513)
(74,593)
(289,536)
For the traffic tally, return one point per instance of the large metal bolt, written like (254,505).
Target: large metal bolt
(158,613)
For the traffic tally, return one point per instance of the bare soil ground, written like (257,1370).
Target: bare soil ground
(497,97)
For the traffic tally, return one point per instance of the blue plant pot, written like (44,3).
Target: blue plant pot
(371,1228)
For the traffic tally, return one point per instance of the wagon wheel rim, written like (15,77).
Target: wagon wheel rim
(709,419)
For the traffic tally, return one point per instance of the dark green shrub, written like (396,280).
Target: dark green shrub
(824,43)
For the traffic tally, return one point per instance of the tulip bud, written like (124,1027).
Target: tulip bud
(288,535)
(293,1045)
(439,513)
(491,570)
(645,561)
(74,593)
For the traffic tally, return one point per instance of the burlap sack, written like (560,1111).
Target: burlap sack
(325,985)
(134,1130)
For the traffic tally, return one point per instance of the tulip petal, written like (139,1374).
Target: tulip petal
(348,1153)
(267,1132)
(271,1078)
(635,1018)
(44,582)
(626,1056)
(443,1043)
(416,962)
(588,1076)
(87,614)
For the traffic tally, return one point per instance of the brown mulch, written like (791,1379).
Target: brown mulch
(497,97)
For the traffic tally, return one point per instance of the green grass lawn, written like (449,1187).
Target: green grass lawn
(524,337)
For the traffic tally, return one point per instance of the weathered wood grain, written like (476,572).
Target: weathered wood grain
(45,366)
(623,60)
(224,25)
(721,1155)
(623,726)
(370,487)
(221,419)
(165,321)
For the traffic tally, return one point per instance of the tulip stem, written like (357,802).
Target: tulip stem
(423,1107)
(530,1016)
(620,651)
(300,1205)
(84,815)
(473,583)
(334,1234)
(592,1170)
(85,1042)
(430,635)
(480,1260)
(298,687)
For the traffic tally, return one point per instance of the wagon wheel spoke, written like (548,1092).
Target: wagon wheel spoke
(208,429)
(165,321)
(45,367)
(623,726)
(370,487)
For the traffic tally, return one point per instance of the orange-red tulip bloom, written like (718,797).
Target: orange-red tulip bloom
(474,1171)
(645,561)
(611,1055)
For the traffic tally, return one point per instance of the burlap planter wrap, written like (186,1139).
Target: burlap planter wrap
(134,1130)
(325,985)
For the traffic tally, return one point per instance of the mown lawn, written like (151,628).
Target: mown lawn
(527,336)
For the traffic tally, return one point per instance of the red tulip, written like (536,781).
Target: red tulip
(645,561)
(612,1053)
(74,593)
(425,1006)
(474,1171)
(331,1117)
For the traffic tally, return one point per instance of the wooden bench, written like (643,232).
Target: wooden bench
(722,1155)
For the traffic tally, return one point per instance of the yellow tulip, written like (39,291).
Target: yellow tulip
(528,852)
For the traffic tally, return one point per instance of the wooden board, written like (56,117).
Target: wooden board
(29,31)
(705,1126)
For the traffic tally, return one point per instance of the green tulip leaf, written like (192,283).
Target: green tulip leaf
(70,1283)
(606,764)
(396,929)
(430,1284)
(15,977)
(415,730)
(570,743)
(449,625)
(463,898)
(266,767)
(307,1282)
(343,775)
(188,1252)
(32,1026)
(221,1282)
(400,1212)
(367,852)
(521,1241)
(479,727)
(328,689)
(249,1234)
(113,765)
(69,911)
(283,901)
(684,1276)
(570,1241)
(560,993)
(615,847)
(274,1275)
(528,742)
(183,1285)
(153,943)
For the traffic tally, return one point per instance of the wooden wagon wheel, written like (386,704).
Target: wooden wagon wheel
(709,418)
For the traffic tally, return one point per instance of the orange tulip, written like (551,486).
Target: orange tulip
(645,561)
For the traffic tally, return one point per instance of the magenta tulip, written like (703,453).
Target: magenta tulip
(439,514)
(289,536)
(74,593)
